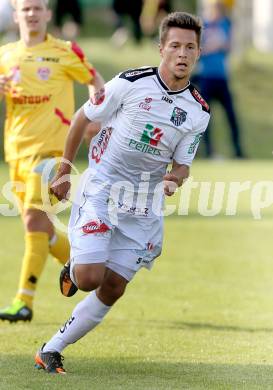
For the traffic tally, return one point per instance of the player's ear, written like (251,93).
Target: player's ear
(49,15)
(160,49)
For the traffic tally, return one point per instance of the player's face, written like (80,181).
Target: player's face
(179,52)
(32,16)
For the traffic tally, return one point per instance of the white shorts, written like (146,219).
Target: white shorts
(126,246)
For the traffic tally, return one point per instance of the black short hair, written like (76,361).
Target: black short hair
(180,20)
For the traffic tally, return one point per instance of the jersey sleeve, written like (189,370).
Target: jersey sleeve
(186,149)
(115,90)
(77,66)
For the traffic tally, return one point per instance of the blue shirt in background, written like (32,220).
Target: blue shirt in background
(214,64)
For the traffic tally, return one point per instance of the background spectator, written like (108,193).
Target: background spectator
(213,74)
(153,12)
(68,28)
(123,8)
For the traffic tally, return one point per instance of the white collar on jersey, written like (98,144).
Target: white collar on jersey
(165,86)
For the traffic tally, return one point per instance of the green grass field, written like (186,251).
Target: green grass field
(201,319)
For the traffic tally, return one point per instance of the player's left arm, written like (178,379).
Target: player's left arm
(184,154)
(175,178)
(96,89)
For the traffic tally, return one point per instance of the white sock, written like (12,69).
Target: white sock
(85,317)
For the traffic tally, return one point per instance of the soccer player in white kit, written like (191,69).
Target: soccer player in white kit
(150,117)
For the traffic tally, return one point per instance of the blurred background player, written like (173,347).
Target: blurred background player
(213,72)
(36,78)
(69,29)
(152,14)
(132,9)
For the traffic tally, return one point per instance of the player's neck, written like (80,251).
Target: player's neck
(33,39)
(172,83)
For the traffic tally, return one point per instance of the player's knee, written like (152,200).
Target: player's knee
(36,220)
(113,290)
(86,281)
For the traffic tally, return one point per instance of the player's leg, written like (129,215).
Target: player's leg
(36,189)
(85,317)
(59,246)
(225,97)
(39,232)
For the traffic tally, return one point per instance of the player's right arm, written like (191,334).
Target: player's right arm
(60,188)
(89,113)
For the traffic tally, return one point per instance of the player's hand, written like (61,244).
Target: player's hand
(4,84)
(170,182)
(60,186)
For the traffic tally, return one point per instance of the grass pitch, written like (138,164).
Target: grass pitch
(201,319)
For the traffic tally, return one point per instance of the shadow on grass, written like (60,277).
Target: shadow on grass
(204,325)
(133,373)
(232,328)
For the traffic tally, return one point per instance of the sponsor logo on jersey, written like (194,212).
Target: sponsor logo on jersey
(95,227)
(29,58)
(146,104)
(138,72)
(43,73)
(194,144)
(149,139)
(167,99)
(178,116)
(101,145)
(151,135)
(48,59)
(31,99)
(199,98)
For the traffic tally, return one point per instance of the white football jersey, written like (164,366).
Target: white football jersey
(145,126)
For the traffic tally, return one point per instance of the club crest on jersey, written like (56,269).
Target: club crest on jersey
(146,104)
(179,116)
(43,73)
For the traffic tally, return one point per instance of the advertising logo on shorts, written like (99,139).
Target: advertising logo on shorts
(43,73)
(97,226)
(178,116)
